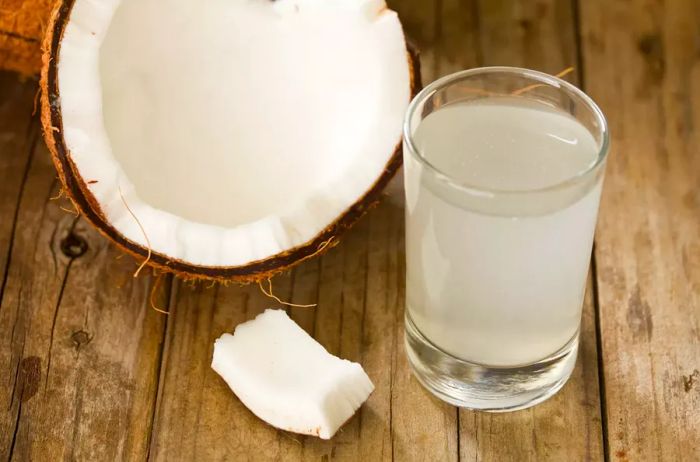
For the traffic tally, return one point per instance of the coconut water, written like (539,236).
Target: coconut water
(499,237)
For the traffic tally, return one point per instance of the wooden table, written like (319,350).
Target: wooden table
(91,372)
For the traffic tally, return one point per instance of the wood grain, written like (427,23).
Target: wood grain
(197,417)
(17,137)
(79,345)
(642,66)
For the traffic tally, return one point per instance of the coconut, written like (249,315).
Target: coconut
(288,379)
(229,139)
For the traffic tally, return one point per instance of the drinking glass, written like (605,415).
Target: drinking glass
(503,170)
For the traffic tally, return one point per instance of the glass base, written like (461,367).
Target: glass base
(487,388)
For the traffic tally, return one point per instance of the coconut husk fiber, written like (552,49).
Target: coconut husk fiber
(22,25)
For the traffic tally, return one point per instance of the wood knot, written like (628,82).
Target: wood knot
(652,49)
(650,44)
(525,24)
(80,338)
(690,380)
(73,246)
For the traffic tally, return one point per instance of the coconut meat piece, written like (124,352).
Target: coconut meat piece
(287,378)
(234,129)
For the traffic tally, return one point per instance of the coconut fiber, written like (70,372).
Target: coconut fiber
(22,24)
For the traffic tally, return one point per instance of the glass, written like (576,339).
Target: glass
(503,171)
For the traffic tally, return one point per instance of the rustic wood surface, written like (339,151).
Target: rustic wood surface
(91,372)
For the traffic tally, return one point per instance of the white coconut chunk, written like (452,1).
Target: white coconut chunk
(287,378)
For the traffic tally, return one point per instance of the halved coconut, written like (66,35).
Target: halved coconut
(232,138)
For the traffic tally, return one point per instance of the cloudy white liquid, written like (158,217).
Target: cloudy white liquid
(496,278)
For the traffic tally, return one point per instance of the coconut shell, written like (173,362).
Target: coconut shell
(78,192)
(22,24)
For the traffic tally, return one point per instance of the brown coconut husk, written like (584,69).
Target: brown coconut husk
(77,190)
(22,25)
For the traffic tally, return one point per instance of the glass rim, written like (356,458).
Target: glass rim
(540,77)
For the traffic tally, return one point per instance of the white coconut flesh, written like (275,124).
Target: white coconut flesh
(288,379)
(233,129)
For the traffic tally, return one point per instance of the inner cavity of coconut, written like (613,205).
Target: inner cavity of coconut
(222,114)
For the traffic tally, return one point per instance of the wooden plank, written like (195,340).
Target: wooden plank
(197,416)
(17,135)
(538,35)
(641,65)
(16,139)
(79,344)
(420,23)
